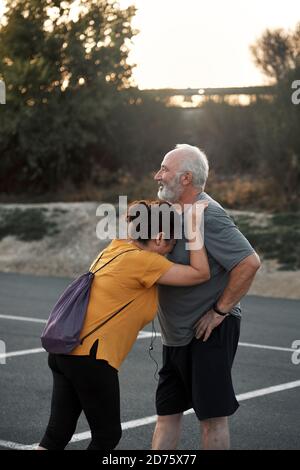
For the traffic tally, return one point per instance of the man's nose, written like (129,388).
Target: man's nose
(157,176)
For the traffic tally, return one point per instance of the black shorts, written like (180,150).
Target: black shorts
(198,375)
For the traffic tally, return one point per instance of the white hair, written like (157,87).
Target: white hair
(196,162)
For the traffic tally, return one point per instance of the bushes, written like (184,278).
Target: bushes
(26,224)
(278,238)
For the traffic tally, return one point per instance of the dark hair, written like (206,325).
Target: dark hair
(142,214)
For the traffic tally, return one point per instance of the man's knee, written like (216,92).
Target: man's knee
(169,420)
(211,424)
(167,432)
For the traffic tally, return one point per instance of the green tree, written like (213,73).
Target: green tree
(63,75)
(277,52)
(278,122)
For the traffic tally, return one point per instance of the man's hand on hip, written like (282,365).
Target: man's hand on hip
(207,323)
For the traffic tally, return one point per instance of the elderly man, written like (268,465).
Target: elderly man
(200,325)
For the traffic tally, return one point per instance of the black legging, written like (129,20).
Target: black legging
(83,383)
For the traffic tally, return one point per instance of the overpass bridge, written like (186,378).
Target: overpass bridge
(195,97)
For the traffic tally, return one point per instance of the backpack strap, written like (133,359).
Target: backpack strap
(98,259)
(105,321)
(127,251)
(118,311)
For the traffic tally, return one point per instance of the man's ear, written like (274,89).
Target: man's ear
(187,178)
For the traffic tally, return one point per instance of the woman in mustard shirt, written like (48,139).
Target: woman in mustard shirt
(123,300)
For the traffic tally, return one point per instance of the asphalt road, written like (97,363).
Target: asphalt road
(268,418)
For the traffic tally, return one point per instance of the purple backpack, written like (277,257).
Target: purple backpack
(62,331)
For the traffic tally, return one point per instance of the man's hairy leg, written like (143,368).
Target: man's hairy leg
(215,434)
(167,432)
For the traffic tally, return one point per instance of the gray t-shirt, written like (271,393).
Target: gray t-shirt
(181,307)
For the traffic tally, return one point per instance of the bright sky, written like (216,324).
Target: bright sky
(197,43)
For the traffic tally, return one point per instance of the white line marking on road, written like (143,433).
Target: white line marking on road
(15,317)
(152,419)
(16,445)
(266,391)
(263,346)
(22,353)
(142,335)
(148,334)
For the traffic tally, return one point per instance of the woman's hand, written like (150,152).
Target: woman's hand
(194,224)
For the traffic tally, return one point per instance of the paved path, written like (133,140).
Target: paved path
(266,380)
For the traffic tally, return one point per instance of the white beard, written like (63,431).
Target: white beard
(170,194)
